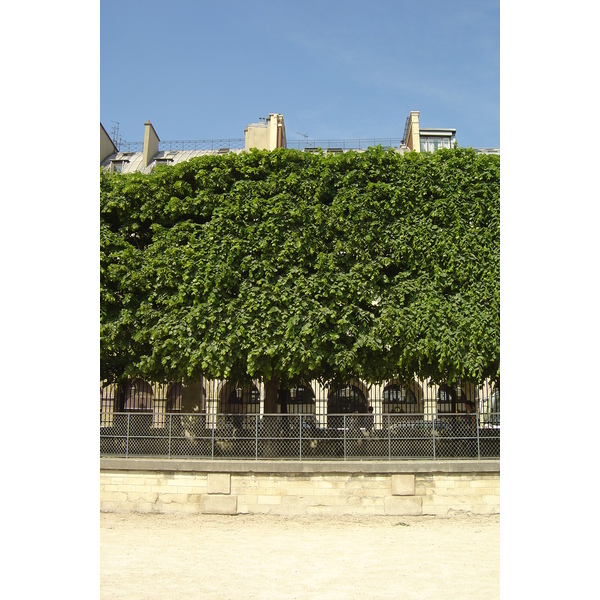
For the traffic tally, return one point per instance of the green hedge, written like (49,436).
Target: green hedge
(285,264)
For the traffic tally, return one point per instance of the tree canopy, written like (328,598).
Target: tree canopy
(287,264)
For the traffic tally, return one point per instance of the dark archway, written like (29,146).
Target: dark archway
(138,396)
(347,399)
(298,399)
(398,399)
(451,399)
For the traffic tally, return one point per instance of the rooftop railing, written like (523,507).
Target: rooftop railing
(342,145)
(184,145)
(308,145)
(226,144)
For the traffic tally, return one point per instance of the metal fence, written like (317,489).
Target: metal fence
(343,145)
(300,437)
(183,145)
(308,145)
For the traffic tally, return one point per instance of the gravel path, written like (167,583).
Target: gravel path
(148,556)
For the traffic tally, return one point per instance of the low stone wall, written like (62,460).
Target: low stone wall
(299,488)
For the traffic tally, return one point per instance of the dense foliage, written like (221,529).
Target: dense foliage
(285,264)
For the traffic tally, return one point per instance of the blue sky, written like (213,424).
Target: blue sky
(68,61)
(335,69)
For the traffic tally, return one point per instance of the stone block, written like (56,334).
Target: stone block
(269,499)
(219,483)
(326,485)
(403,485)
(117,497)
(403,505)
(218,504)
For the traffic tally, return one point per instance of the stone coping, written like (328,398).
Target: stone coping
(287,467)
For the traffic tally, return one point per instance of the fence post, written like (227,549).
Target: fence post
(169,446)
(212,438)
(344,430)
(127,437)
(433,430)
(389,432)
(255,437)
(477,431)
(300,435)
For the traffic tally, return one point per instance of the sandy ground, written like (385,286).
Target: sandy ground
(147,556)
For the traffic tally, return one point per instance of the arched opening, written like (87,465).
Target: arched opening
(455,399)
(347,399)
(298,399)
(138,396)
(187,398)
(446,399)
(174,397)
(237,400)
(399,399)
(489,407)
(495,406)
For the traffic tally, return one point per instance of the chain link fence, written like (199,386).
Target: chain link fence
(300,437)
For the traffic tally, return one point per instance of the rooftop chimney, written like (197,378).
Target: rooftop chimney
(267,134)
(411,138)
(150,144)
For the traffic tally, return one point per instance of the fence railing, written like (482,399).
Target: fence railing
(239,144)
(299,437)
(343,145)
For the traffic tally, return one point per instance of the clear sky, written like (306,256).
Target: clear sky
(69,61)
(335,69)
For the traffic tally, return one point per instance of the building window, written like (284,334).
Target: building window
(431,144)
(398,399)
(116,165)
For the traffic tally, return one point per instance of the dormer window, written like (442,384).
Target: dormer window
(116,165)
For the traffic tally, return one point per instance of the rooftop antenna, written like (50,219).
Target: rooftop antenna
(116,138)
(305,136)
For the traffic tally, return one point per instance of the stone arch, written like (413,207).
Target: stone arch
(174,394)
(238,398)
(402,397)
(456,398)
(297,399)
(188,398)
(138,396)
(349,397)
